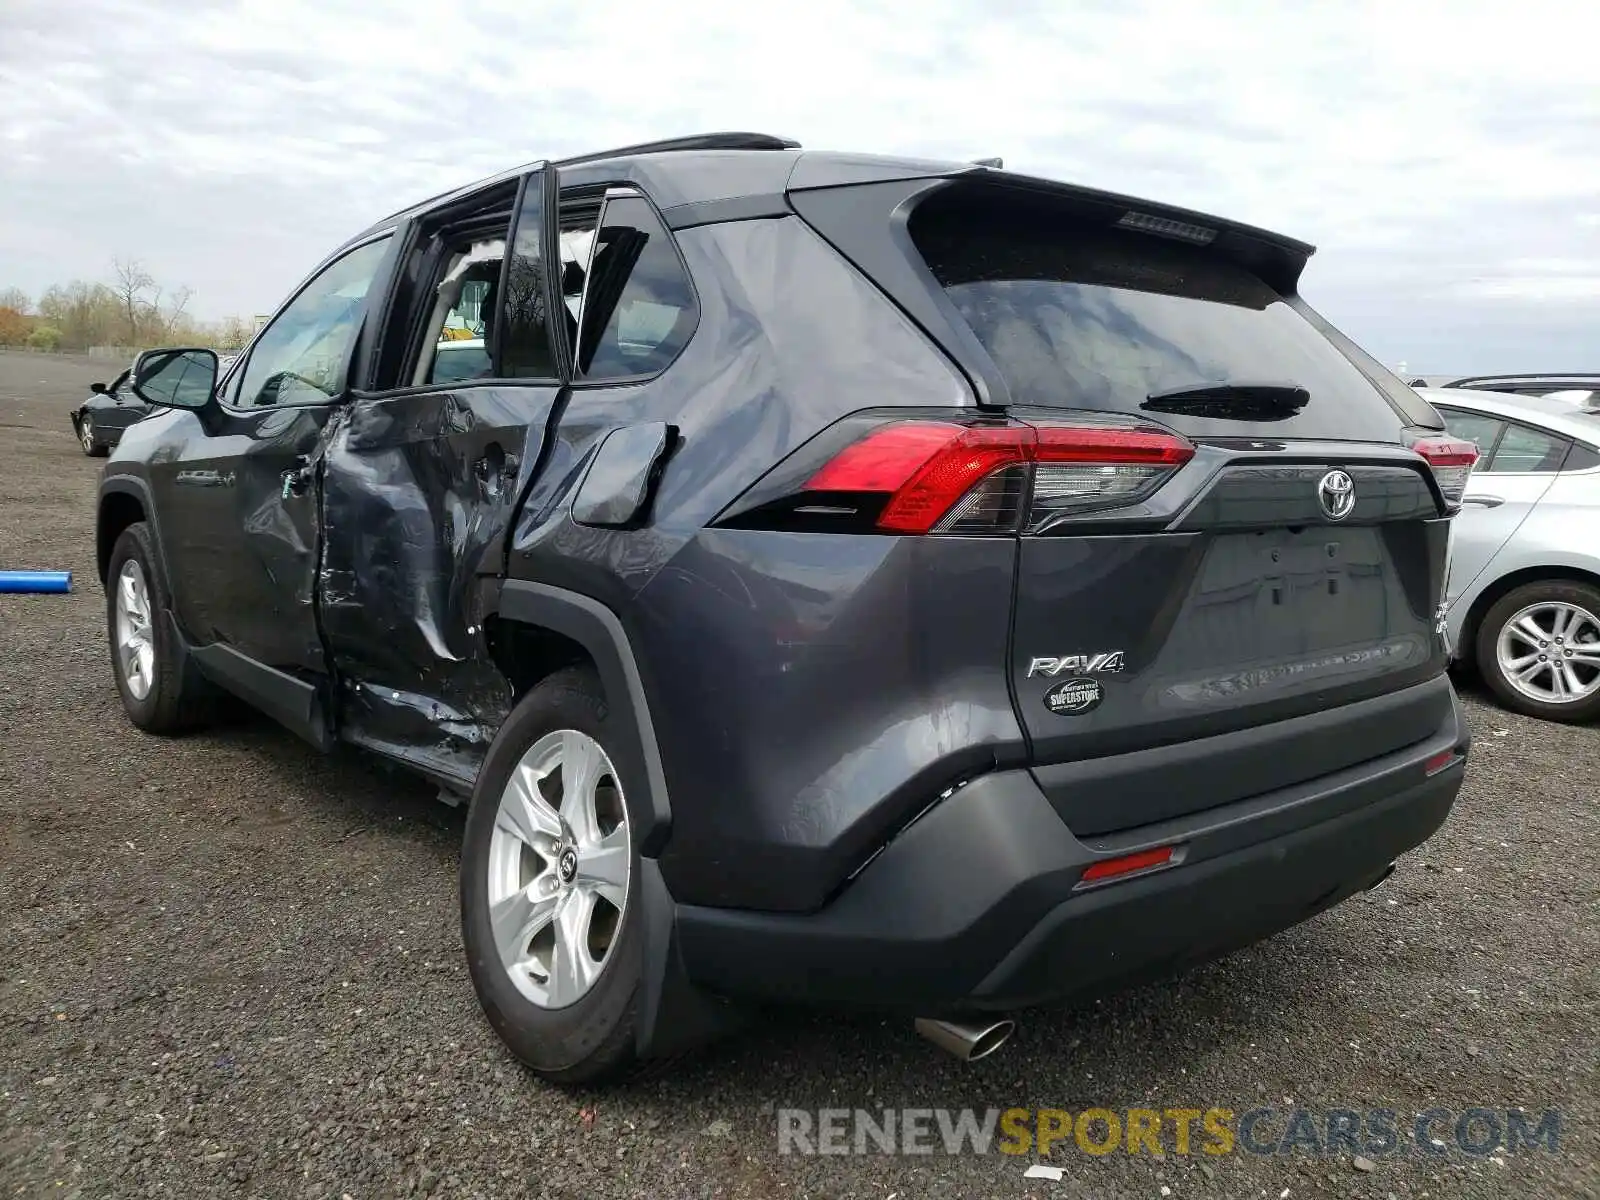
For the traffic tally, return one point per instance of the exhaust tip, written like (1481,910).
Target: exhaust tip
(968,1041)
(1387,871)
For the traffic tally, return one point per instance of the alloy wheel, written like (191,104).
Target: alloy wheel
(559,865)
(1550,652)
(136,651)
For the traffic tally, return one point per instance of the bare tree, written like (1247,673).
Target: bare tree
(132,282)
(16,300)
(180,301)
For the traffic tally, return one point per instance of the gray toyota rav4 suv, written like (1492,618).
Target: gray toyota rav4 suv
(833,578)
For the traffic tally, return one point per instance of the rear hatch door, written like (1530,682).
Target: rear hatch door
(1217,608)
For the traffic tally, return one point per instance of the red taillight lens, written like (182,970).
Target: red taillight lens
(886,460)
(925,467)
(944,477)
(1452,460)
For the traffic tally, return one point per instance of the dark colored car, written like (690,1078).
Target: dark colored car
(847,580)
(98,423)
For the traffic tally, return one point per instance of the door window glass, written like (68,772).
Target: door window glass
(301,358)
(1524,450)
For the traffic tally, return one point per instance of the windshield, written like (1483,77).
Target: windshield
(1087,316)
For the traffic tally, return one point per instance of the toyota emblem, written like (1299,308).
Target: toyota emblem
(1337,494)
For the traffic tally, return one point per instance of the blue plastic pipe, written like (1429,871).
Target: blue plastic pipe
(35,581)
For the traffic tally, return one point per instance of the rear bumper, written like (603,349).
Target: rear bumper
(974,907)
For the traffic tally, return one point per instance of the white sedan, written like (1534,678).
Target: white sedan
(1523,594)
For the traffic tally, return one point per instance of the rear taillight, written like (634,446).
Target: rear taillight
(1452,460)
(943,477)
(1087,469)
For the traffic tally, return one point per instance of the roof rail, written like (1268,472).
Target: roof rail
(1529,376)
(696,141)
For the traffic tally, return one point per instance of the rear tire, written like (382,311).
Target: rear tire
(157,694)
(566,1009)
(1538,650)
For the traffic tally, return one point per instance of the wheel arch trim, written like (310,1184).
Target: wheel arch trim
(596,628)
(674,1014)
(128,485)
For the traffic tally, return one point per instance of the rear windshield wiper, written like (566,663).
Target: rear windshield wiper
(1236,401)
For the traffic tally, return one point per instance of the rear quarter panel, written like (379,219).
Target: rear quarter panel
(807,690)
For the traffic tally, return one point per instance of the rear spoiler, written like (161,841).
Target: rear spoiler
(1275,258)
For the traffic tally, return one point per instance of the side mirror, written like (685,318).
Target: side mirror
(182,378)
(99,389)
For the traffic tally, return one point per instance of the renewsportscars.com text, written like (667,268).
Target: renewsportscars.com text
(1374,1132)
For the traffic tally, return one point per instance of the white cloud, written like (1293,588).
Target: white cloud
(1425,147)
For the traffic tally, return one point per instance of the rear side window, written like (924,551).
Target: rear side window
(1506,448)
(1078,314)
(638,306)
(1528,451)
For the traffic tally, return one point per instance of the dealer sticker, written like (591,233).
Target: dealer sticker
(1074,697)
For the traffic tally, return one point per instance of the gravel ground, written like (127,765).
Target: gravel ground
(229,966)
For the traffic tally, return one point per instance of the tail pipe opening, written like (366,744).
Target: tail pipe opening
(968,1041)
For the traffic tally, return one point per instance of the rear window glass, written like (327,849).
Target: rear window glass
(1081,315)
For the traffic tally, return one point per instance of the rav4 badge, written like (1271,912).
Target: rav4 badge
(1074,697)
(1077,664)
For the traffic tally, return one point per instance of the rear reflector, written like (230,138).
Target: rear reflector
(948,478)
(1129,864)
(1440,762)
(1452,460)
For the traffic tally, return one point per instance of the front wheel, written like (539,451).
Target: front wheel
(86,437)
(158,695)
(1539,650)
(548,902)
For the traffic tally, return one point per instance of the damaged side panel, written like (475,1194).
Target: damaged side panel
(418,490)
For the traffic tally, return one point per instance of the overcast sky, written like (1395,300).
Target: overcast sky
(1444,158)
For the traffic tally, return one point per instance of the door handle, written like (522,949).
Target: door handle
(298,477)
(496,471)
(489,466)
(1483,501)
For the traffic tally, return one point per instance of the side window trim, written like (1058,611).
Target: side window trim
(550,246)
(380,279)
